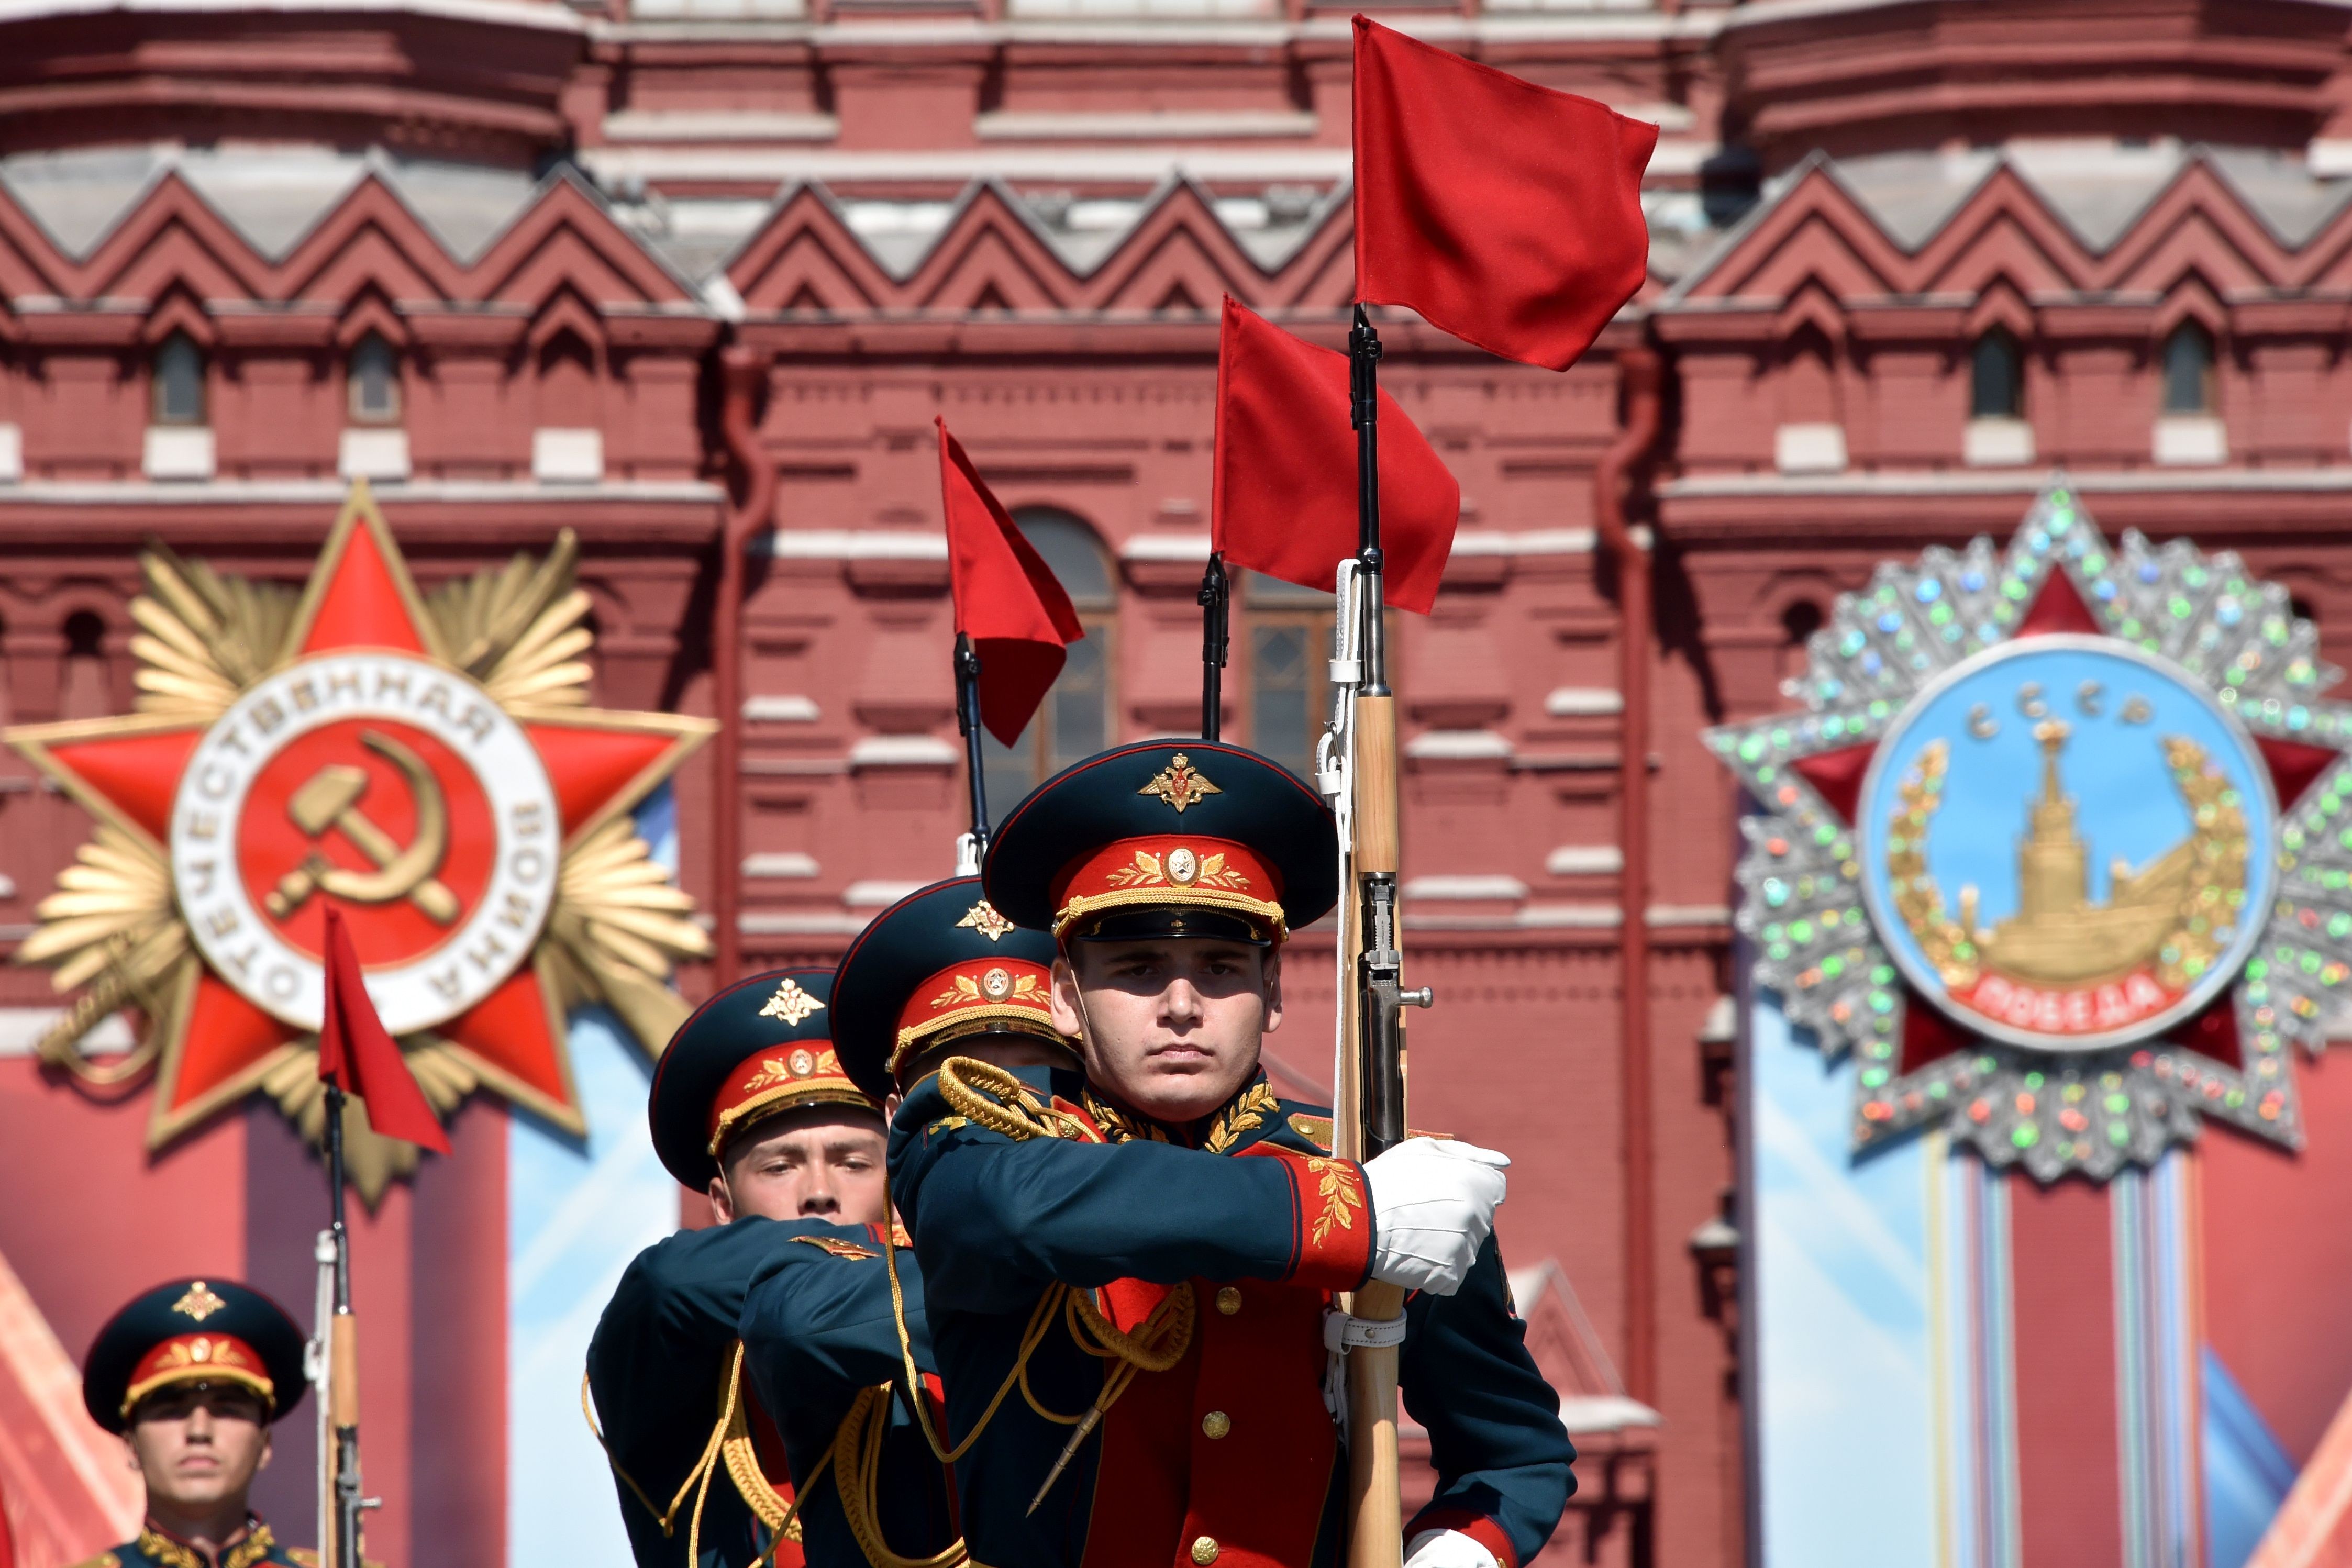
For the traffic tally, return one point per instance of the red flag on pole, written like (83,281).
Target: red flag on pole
(1006,598)
(1285,495)
(357,1056)
(1507,214)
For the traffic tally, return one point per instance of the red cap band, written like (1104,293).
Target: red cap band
(793,1073)
(200,1358)
(1007,995)
(1168,869)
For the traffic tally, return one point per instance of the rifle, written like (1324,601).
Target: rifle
(1356,763)
(972,848)
(333,1362)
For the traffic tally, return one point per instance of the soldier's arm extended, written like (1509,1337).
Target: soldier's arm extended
(817,1324)
(1501,1455)
(994,1218)
(656,1364)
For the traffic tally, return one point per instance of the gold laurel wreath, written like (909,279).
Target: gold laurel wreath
(2220,847)
(113,931)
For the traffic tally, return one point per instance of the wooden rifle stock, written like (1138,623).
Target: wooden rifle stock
(1373,1095)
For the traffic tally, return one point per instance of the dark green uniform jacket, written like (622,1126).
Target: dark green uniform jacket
(1230,1455)
(818,1333)
(657,1369)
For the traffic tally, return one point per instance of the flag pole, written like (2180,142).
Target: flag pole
(343,1357)
(1372,1036)
(1214,599)
(972,847)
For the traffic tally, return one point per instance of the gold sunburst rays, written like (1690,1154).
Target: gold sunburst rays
(110,927)
(203,637)
(517,628)
(623,925)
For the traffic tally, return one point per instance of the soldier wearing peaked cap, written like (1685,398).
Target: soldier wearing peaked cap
(192,1374)
(749,1106)
(1146,1255)
(940,970)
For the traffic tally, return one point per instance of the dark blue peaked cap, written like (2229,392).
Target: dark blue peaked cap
(761,1047)
(193,1331)
(939,964)
(1167,838)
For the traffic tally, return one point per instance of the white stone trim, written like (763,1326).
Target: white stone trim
(1585,859)
(903,751)
(1459,745)
(1811,448)
(2190,440)
(790,864)
(1995,442)
(1583,701)
(373,452)
(849,544)
(781,708)
(561,456)
(178,452)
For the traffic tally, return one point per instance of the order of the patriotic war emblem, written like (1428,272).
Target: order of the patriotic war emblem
(2059,851)
(427,763)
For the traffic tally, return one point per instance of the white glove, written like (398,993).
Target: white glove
(1433,1203)
(1446,1548)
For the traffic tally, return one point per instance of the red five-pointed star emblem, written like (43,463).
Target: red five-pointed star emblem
(429,767)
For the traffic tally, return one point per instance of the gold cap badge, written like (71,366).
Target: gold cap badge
(200,1302)
(983,918)
(790,1004)
(1180,784)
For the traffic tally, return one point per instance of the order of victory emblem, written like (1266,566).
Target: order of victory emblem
(429,766)
(2061,850)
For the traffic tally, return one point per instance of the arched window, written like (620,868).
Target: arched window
(179,382)
(82,692)
(1286,635)
(1077,718)
(371,383)
(1996,377)
(2188,370)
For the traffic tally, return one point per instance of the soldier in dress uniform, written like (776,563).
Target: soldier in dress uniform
(1128,1273)
(192,1374)
(822,1327)
(749,1106)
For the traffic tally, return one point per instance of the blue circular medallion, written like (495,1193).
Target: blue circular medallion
(2068,844)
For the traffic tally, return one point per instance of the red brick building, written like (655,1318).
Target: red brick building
(678,272)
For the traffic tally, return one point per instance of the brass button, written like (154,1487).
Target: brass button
(1229,1300)
(1205,1550)
(1216,1423)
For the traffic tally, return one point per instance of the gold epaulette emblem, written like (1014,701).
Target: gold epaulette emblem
(1316,1130)
(840,1248)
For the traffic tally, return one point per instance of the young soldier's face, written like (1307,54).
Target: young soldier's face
(825,1161)
(1170,1025)
(198,1446)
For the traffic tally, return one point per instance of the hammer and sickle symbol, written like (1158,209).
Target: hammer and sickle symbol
(331,801)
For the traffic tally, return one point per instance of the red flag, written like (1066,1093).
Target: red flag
(1285,499)
(1006,599)
(1505,213)
(359,1057)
